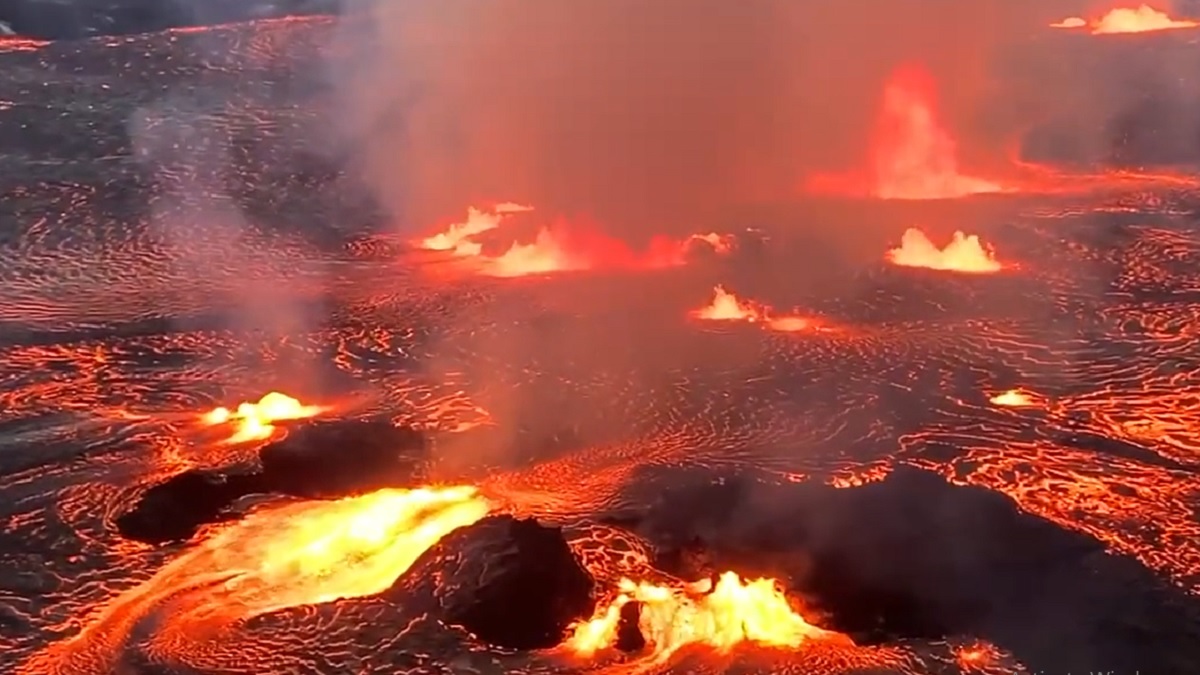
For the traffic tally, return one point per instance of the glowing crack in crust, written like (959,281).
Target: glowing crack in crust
(1099,438)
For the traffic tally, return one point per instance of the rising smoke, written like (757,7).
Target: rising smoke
(649,114)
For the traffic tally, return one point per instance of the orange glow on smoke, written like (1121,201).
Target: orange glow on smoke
(912,156)
(458,238)
(726,306)
(1144,19)
(720,616)
(297,554)
(564,246)
(963,254)
(1013,398)
(572,247)
(256,421)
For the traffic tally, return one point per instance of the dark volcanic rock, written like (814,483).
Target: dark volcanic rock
(343,458)
(916,557)
(512,583)
(323,460)
(174,509)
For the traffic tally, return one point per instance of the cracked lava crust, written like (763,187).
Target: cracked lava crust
(555,457)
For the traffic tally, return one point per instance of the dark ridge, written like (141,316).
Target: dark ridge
(174,509)
(322,460)
(916,557)
(76,19)
(512,583)
(330,460)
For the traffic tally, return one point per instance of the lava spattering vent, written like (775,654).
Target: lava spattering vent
(256,421)
(911,155)
(726,306)
(720,616)
(566,245)
(459,238)
(1143,19)
(963,254)
(297,554)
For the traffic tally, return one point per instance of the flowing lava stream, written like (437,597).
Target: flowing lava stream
(719,616)
(963,254)
(1144,19)
(726,306)
(276,558)
(256,421)
(912,156)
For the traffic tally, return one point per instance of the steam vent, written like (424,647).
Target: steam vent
(602,336)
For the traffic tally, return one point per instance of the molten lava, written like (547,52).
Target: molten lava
(285,556)
(726,306)
(458,238)
(1144,19)
(911,155)
(963,254)
(256,421)
(720,616)
(570,247)
(1013,398)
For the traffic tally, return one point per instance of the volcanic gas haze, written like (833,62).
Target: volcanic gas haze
(652,125)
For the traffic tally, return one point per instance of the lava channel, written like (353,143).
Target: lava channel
(719,615)
(911,156)
(726,306)
(256,421)
(1143,19)
(285,556)
(964,254)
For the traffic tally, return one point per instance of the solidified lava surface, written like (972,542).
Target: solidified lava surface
(867,469)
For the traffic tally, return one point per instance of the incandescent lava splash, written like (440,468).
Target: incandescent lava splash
(1143,19)
(726,306)
(563,246)
(719,615)
(286,556)
(911,155)
(963,254)
(256,421)
(459,238)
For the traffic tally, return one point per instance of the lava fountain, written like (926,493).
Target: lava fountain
(256,421)
(720,616)
(285,556)
(911,155)
(1143,19)
(726,306)
(459,238)
(963,254)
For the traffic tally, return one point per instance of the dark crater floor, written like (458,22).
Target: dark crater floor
(913,556)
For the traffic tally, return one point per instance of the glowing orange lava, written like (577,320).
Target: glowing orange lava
(286,556)
(256,421)
(726,306)
(720,243)
(962,254)
(572,247)
(720,616)
(1013,398)
(911,156)
(458,238)
(1144,19)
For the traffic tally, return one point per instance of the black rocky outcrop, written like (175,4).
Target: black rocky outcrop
(511,582)
(319,460)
